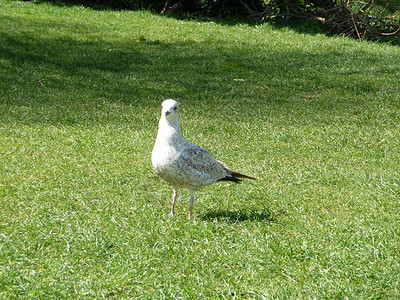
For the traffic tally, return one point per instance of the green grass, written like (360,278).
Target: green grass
(83,215)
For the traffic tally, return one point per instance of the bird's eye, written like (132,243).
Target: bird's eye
(175,108)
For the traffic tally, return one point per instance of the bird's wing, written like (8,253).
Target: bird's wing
(202,162)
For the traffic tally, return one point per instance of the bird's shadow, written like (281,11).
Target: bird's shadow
(239,216)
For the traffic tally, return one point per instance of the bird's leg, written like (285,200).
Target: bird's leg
(173,202)
(191,203)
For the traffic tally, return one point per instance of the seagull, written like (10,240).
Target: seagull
(183,164)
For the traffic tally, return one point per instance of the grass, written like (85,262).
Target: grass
(83,215)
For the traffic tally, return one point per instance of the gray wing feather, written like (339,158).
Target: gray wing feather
(202,161)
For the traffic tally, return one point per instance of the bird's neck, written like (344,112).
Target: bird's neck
(167,130)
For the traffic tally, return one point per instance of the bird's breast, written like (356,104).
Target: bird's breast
(163,156)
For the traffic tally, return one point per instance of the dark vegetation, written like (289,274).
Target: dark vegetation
(359,19)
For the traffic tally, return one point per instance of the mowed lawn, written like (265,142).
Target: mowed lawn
(83,215)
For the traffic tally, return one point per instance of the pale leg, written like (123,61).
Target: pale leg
(191,203)
(173,202)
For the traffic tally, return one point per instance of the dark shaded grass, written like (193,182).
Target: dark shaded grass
(142,71)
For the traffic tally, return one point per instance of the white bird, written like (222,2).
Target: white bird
(183,164)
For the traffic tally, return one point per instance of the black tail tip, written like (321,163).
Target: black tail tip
(230,178)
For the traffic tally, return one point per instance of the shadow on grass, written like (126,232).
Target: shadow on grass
(239,216)
(69,77)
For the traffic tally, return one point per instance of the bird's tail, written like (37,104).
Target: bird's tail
(235,175)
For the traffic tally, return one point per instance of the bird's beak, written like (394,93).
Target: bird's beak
(167,113)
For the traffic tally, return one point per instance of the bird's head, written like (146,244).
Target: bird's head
(170,110)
